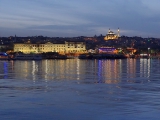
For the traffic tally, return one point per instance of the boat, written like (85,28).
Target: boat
(102,56)
(71,57)
(144,56)
(4,56)
(28,57)
(55,57)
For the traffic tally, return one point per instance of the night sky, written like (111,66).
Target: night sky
(71,18)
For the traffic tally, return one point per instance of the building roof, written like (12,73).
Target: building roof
(111,33)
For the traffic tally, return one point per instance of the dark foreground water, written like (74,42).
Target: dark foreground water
(74,89)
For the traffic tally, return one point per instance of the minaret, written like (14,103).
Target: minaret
(109,30)
(118,32)
(15,38)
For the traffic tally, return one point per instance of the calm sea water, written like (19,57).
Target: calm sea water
(74,89)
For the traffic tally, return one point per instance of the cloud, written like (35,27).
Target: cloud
(85,16)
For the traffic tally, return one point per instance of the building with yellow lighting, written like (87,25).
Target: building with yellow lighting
(111,35)
(62,48)
(107,50)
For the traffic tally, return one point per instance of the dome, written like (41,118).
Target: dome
(111,32)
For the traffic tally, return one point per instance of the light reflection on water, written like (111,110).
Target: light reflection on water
(80,89)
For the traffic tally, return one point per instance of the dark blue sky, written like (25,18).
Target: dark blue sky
(70,18)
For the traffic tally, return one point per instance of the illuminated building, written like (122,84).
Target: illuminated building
(131,50)
(108,50)
(62,48)
(111,35)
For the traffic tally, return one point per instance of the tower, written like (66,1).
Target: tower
(15,38)
(118,32)
(109,30)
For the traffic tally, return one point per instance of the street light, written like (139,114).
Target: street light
(148,52)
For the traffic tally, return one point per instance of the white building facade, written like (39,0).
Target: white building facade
(64,48)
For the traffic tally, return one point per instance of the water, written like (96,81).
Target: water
(76,89)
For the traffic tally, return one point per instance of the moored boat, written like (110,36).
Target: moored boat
(102,56)
(28,57)
(4,56)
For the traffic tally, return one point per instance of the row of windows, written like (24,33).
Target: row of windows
(45,48)
(74,44)
(23,45)
(75,47)
(17,49)
(50,47)
(40,49)
(36,46)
